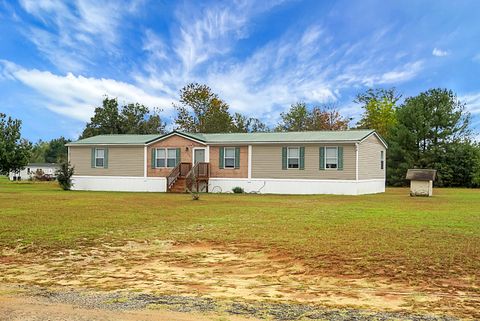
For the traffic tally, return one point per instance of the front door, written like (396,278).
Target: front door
(198,155)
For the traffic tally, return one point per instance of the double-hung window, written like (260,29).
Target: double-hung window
(99,157)
(229,157)
(171,157)
(293,157)
(382,161)
(160,157)
(331,157)
(166,157)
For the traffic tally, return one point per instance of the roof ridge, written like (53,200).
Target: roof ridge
(350,135)
(123,135)
(285,132)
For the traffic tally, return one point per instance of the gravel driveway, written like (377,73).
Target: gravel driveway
(34,303)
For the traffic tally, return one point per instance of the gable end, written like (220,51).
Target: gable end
(176,133)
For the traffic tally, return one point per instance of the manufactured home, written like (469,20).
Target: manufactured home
(350,162)
(28,172)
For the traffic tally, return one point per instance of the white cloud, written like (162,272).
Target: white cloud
(366,73)
(70,30)
(207,34)
(209,31)
(439,52)
(311,35)
(472,102)
(300,65)
(303,64)
(154,45)
(404,73)
(275,76)
(75,96)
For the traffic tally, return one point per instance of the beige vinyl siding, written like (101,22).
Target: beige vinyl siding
(369,159)
(267,163)
(122,161)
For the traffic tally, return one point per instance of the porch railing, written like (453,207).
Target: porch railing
(193,175)
(173,176)
(181,170)
(199,172)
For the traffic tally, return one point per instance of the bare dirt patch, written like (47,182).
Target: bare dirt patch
(224,272)
(30,309)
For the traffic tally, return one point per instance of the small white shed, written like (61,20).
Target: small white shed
(421,181)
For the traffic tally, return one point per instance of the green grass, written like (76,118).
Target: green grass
(390,234)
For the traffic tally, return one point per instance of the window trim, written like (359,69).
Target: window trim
(288,157)
(166,158)
(336,158)
(225,157)
(103,158)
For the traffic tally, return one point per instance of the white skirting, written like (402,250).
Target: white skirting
(119,183)
(297,186)
(225,185)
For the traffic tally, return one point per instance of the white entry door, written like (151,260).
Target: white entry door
(198,155)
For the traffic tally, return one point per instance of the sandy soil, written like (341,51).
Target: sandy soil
(220,272)
(30,309)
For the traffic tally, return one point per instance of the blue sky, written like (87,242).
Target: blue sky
(58,59)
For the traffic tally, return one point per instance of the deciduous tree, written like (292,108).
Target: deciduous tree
(327,118)
(300,118)
(56,151)
(201,111)
(138,119)
(379,110)
(14,151)
(243,124)
(296,119)
(39,149)
(132,118)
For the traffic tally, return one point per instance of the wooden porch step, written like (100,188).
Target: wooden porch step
(179,186)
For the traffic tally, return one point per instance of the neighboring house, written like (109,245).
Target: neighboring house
(29,171)
(324,162)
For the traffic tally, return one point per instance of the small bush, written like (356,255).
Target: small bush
(64,176)
(41,176)
(238,190)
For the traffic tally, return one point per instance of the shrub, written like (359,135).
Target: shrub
(39,175)
(238,190)
(64,176)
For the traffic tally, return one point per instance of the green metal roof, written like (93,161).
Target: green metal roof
(311,136)
(273,137)
(116,140)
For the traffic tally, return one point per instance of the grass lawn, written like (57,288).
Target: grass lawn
(417,241)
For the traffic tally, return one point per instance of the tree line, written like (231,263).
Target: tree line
(430,130)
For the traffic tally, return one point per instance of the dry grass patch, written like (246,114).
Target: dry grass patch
(384,251)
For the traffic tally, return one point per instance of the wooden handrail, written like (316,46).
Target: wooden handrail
(203,170)
(181,170)
(198,171)
(173,176)
(185,168)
